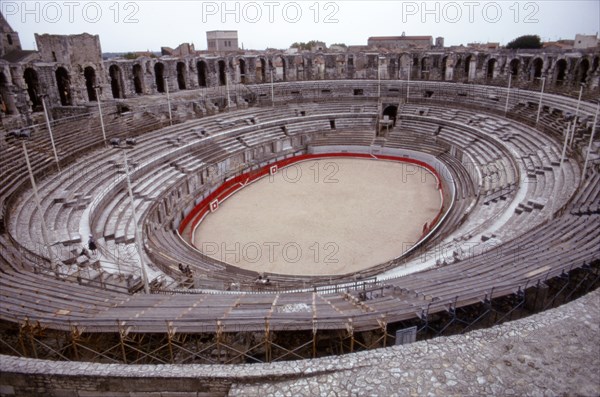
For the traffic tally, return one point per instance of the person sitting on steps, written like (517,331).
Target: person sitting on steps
(92,244)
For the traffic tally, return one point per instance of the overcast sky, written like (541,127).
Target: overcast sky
(149,24)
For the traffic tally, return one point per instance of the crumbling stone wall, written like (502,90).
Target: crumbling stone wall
(75,53)
(562,70)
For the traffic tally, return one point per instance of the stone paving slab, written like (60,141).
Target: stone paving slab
(553,353)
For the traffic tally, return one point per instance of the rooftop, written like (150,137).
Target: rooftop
(382,38)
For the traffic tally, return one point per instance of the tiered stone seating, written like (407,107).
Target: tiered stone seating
(360,137)
(414,136)
(505,153)
(261,136)
(587,200)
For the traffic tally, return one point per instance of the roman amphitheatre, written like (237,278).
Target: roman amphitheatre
(189,162)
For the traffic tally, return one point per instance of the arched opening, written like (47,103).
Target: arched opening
(115,81)
(513,67)
(319,67)
(222,73)
(63,83)
(280,69)
(159,71)
(425,68)
(261,71)
(561,71)
(582,71)
(457,69)
(33,88)
(271,69)
(491,66)
(138,79)
(299,61)
(391,112)
(595,64)
(202,73)
(415,70)
(340,66)
(90,82)
(5,100)
(404,66)
(242,71)
(537,66)
(181,72)
(443,68)
(468,66)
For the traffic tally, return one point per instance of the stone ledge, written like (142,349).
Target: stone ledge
(554,352)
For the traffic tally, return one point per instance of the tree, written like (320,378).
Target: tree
(305,46)
(130,55)
(527,41)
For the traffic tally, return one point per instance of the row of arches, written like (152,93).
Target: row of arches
(278,67)
(463,68)
(182,70)
(63,85)
(116,82)
(147,76)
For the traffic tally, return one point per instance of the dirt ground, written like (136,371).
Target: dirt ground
(321,217)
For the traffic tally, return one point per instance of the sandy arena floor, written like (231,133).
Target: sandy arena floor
(321,217)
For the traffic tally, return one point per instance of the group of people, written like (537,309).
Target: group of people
(185,270)
(91,246)
(262,281)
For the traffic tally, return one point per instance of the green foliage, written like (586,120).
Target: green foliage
(130,55)
(339,45)
(527,42)
(305,46)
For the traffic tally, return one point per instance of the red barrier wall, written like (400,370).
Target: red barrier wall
(239,182)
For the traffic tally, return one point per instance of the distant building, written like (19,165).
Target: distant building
(318,46)
(401,42)
(558,45)
(439,42)
(358,48)
(583,41)
(181,51)
(148,54)
(484,46)
(338,48)
(222,40)
(10,45)
(9,39)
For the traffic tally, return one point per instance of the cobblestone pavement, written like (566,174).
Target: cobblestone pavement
(555,353)
(549,354)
